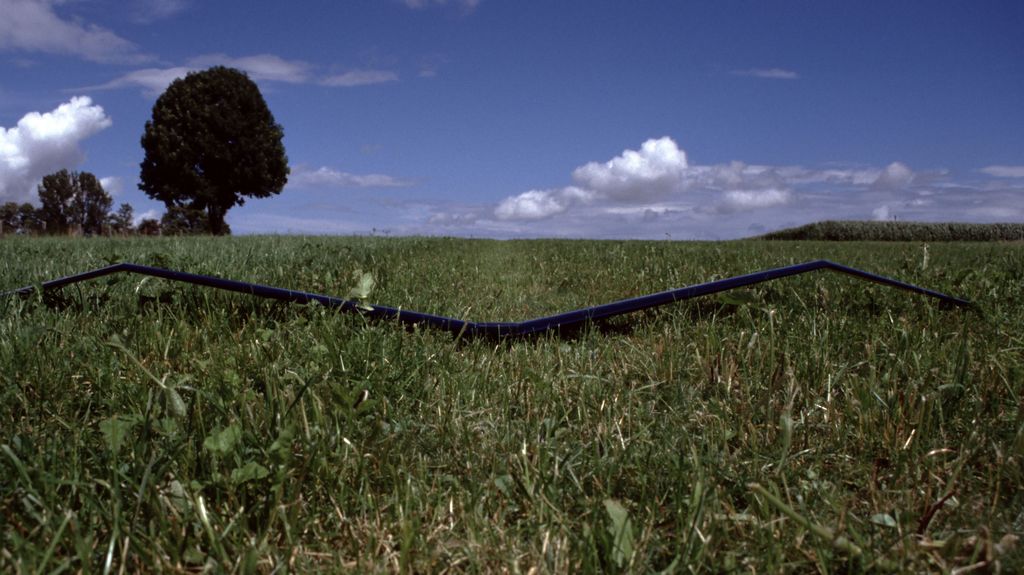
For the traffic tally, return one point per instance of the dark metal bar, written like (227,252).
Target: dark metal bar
(566,320)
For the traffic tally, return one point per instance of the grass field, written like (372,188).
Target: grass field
(817,423)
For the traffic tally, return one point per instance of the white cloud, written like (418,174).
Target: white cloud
(655,170)
(259,67)
(454,218)
(43,143)
(113,185)
(354,78)
(540,204)
(640,182)
(881,214)
(654,191)
(736,200)
(467,5)
(35,26)
(768,73)
(147,11)
(324,177)
(1004,171)
(146,215)
(153,81)
(894,176)
(267,67)
(531,205)
(849,176)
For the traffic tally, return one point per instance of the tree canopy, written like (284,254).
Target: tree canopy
(211,143)
(73,200)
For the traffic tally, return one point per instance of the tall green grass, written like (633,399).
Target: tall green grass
(824,424)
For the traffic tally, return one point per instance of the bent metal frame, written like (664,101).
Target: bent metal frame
(562,321)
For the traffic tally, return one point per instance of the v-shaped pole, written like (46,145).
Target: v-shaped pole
(567,320)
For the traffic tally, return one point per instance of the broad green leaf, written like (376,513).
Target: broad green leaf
(115,430)
(248,472)
(175,403)
(504,483)
(785,433)
(883,519)
(224,441)
(364,285)
(621,529)
(281,449)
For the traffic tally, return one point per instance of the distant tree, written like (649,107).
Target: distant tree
(9,223)
(186,221)
(73,199)
(91,205)
(30,220)
(121,222)
(212,142)
(57,195)
(148,227)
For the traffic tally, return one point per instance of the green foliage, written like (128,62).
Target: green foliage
(10,223)
(148,227)
(212,142)
(187,221)
(813,424)
(364,284)
(122,222)
(73,201)
(620,527)
(892,231)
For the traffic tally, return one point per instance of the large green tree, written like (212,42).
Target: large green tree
(212,142)
(73,200)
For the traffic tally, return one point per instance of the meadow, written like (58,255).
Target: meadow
(812,424)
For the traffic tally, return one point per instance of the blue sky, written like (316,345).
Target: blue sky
(527,118)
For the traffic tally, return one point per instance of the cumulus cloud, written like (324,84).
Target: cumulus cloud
(656,190)
(1004,171)
(540,204)
(43,143)
(654,180)
(355,78)
(894,176)
(113,185)
(35,26)
(146,215)
(768,73)
(654,170)
(324,177)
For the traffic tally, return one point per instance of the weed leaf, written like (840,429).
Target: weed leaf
(364,284)
(224,441)
(249,472)
(621,529)
(883,519)
(175,404)
(115,430)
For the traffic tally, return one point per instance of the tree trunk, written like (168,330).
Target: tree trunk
(216,220)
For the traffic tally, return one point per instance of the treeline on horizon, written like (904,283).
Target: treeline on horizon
(75,204)
(895,231)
